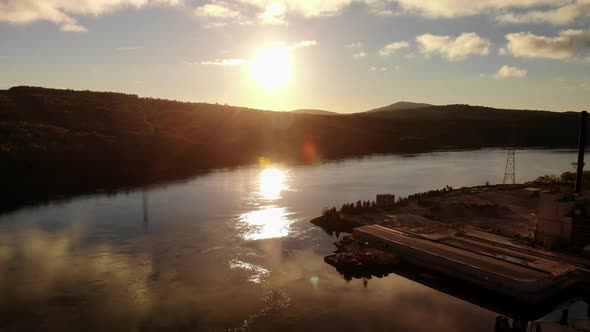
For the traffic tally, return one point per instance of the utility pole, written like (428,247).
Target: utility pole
(581,148)
(510,171)
(146,221)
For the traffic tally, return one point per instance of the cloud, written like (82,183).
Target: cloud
(458,8)
(276,11)
(216,11)
(240,62)
(267,12)
(508,71)
(567,45)
(62,12)
(225,62)
(558,16)
(304,43)
(393,48)
(355,45)
(358,50)
(220,15)
(359,54)
(381,69)
(451,48)
(72,27)
(274,14)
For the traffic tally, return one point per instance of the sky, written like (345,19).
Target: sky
(338,55)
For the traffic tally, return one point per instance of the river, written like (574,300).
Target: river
(233,250)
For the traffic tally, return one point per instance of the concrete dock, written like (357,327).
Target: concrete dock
(485,259)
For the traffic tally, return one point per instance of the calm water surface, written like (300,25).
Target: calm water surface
(232,250)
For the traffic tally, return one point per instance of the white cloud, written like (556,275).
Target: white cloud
(567,45)
(458,8)
(359,54)
(355,45)
(383,12)
(274,14)
(222,12)
(72,27)
(239,62)
(557,16)
(452,48)
(358,50)
(217,11)
(276,11)
(225,62)
(508,71)
(381,69)
(393,48)
(305,43)
(62,12)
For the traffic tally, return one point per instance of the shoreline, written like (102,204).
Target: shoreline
(28,195)
(480,235)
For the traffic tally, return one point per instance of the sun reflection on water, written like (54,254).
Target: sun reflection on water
(266,223)
(256,274)
(272,182)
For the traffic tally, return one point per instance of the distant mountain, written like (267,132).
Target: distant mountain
(314,112)
(400,105)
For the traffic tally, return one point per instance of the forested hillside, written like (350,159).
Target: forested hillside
(62,142)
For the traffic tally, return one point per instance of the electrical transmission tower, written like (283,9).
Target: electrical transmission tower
(510,172)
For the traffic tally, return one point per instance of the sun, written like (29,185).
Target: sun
(272,66)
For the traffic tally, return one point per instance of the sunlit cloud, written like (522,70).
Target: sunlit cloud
(62,12)
(393,48)
(305,43)
(70,27)
(454,8)
(216,11)
(568,44)
(508,71)
(274,14)
(453,48)
(557,16)
(232,62)
(225,62)
(426,8)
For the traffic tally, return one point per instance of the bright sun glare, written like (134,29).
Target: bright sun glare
(272,183)
(271,67)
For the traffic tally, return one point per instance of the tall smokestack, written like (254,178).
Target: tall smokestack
(581,147)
